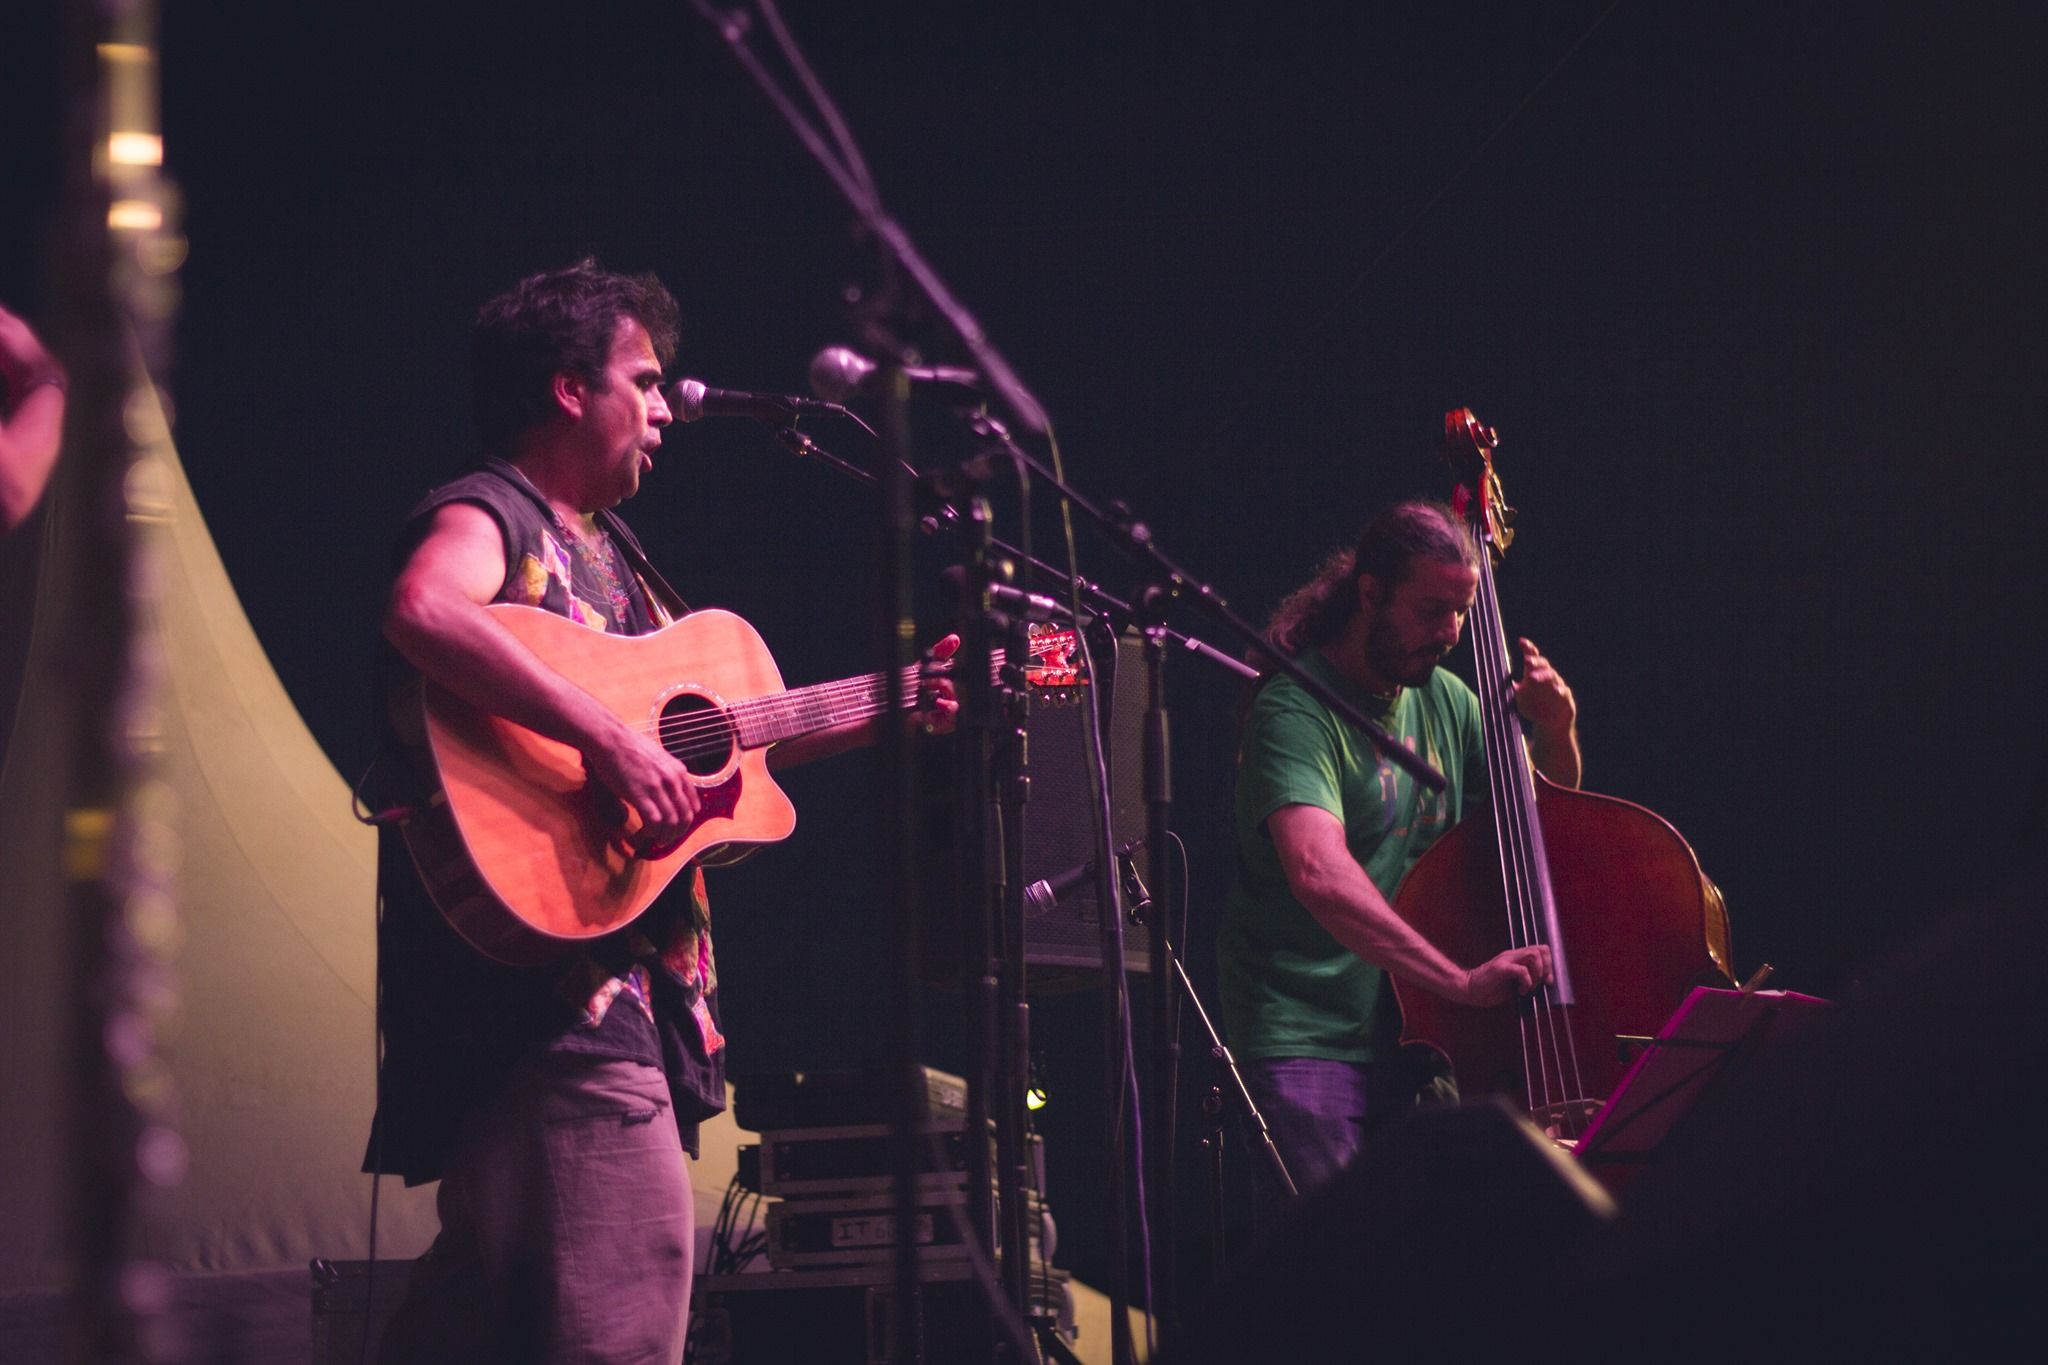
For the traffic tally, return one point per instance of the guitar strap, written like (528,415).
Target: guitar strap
(657,587)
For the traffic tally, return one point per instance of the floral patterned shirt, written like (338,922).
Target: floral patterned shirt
(455,1022)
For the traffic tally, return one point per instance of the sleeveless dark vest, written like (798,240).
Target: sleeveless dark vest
(455,1022)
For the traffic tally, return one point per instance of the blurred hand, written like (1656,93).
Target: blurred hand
(1541,694)
(938,706)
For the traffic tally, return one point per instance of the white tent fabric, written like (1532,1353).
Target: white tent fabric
(273,1051)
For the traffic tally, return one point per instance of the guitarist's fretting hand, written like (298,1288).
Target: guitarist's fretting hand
(938,706)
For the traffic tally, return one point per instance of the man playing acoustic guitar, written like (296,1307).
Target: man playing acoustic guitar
(553,1101)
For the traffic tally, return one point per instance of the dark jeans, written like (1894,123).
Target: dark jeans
(1318,1111)
(567,1228)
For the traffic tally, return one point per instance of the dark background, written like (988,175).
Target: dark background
(1748,289)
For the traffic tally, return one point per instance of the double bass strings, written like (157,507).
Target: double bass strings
(1549,1057)
(1489,648)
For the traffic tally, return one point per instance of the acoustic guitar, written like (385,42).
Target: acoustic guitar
(526,856)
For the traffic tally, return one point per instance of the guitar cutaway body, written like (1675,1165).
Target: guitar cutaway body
(548,852)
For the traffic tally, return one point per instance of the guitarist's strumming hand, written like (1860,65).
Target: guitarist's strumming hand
(642,775)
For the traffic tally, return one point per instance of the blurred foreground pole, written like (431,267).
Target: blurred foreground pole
(113,256)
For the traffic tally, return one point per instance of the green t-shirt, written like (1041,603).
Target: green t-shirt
(1288,988)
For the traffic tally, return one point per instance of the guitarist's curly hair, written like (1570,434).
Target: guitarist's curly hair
(558,320)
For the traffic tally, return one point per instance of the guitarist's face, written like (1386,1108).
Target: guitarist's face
(624,419)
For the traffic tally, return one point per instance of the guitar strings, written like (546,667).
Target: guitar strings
(817,707)
(848,699)
(864,694)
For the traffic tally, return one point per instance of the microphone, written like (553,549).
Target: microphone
(1041,897)
(838,374)
(691,399)
(1032,606)
(1137,896)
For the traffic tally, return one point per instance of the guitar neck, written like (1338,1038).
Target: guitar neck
(806,710)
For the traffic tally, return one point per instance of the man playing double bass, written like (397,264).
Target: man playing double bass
(1326,829)
(553,1102)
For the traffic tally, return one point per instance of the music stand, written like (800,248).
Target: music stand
(1699,1044)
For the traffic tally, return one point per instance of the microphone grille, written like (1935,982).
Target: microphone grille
(836,373)
(686,399)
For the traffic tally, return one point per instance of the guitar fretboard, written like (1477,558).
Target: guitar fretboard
(806,710)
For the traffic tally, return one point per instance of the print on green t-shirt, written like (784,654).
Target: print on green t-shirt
(1288,989)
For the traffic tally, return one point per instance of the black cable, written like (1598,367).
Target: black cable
(732,26)
(1416,220)
(1118,984)
(378,1124)
(821,102)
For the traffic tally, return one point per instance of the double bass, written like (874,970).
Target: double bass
(1631,920)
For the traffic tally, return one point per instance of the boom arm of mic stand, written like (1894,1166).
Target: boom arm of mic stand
(1221,1052)
(1105,604)
(803,447)
(1135,539)
(1141,900)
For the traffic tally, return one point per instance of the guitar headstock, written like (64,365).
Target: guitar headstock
(1468,447)
(1055,658)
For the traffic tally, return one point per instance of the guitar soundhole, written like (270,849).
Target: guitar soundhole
(697,733)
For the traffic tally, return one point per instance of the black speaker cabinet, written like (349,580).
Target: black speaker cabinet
(1063,939)
(1058,829)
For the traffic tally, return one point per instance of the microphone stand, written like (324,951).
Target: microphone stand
(1121,1153)
(1146,910)
(989,758)
(834,150)
(990,763)
(1101,603)
(989,851)
(1158,797)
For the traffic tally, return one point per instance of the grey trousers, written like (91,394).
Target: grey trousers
(566,1227)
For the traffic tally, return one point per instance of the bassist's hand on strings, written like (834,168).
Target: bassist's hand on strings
(1541,694)
(1500,979)
(1545,701)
